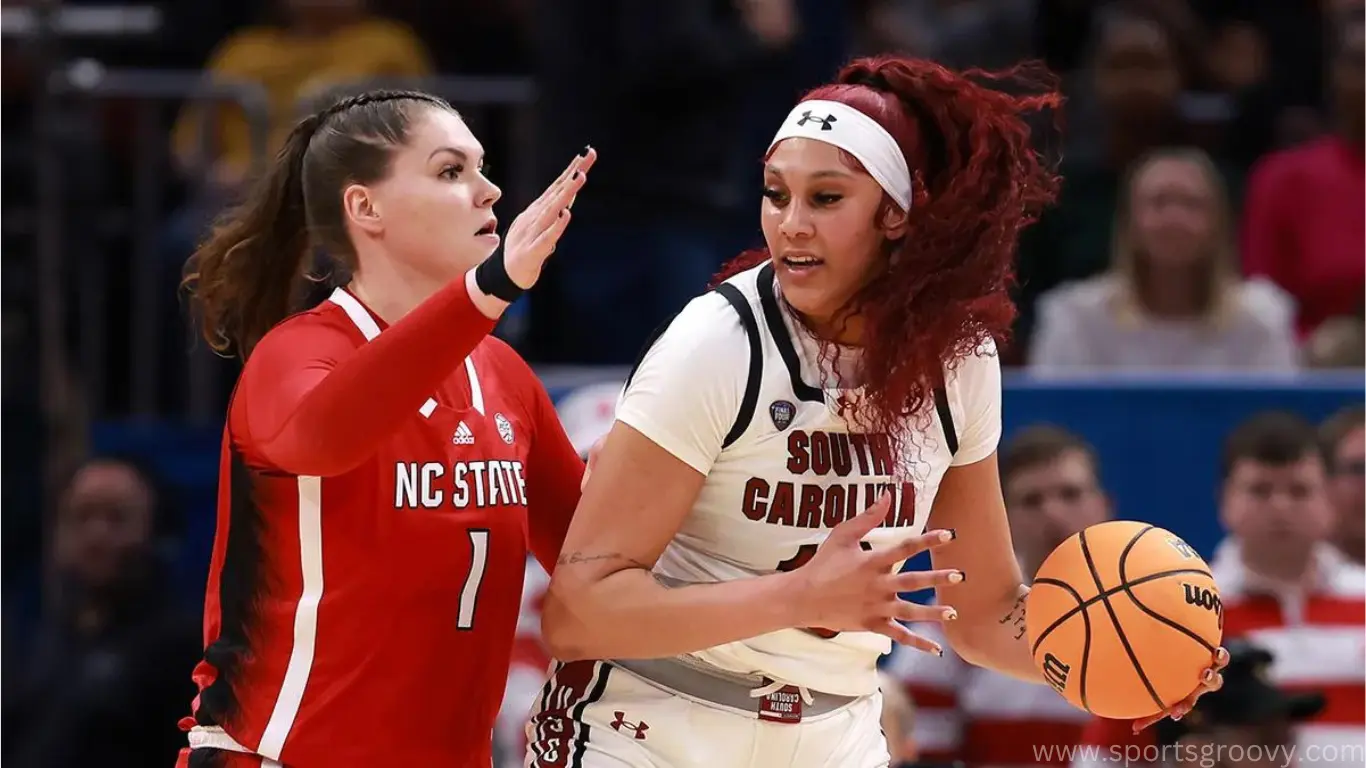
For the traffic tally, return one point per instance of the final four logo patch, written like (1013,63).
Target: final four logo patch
(782,413)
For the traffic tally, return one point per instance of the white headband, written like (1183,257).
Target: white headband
(856,133)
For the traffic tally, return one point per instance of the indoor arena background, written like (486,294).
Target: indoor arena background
(126,127)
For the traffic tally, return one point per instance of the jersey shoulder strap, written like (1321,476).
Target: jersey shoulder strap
(745,310)
(754,378)
(941,405)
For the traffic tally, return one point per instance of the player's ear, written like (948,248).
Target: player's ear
(362,209)
(894,222)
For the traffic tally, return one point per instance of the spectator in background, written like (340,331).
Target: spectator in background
(1248,723)
(1136,76)
(960,34)
(1173,297)
(1305,218)
(102,678)
(898,722)
(307,48)
(1283,586)
(664,91)
(1338,343)
(1052,490)
(1343,437)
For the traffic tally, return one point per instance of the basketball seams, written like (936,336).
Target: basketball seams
(1086,637)
(1076,597)
(1090,601)
(1128,590)
(1114,618)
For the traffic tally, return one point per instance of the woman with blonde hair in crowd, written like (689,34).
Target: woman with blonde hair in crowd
(1173,297)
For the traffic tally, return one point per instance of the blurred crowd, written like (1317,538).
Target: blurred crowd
(1212,218)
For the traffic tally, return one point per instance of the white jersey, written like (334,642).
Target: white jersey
(732,388)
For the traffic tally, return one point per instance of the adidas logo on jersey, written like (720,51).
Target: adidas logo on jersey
(463,435)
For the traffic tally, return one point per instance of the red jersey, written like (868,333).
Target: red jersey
(379,490)
(1303,227)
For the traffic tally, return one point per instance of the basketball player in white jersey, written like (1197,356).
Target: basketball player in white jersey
(720,601)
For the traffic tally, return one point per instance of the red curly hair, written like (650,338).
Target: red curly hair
(977,182)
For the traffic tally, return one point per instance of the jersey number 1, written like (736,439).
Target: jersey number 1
(479,561)
(804,554)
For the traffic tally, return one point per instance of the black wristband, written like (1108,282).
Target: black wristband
(492,278)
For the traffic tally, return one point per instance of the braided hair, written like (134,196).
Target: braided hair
(249,274)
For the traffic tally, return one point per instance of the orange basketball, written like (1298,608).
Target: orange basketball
(1123,618)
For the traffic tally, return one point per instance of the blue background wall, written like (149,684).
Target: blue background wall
(1159,441)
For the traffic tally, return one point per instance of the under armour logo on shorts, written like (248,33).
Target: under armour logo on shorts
(621,723)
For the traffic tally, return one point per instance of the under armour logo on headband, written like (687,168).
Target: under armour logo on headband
(825,122)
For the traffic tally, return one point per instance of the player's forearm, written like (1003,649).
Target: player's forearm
(630,615)
(364,399)
(993,636)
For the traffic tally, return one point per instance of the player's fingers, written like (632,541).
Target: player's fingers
(913,612)
(558,200)
(1211,680)
(1140,725)
(916,581)
(580,162)
(915,545)
(576,169)
(1220,659)
(590,157)
(903,636)
(544,243)
(860,525)
(576,165)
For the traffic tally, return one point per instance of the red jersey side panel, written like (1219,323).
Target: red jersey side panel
(367,617)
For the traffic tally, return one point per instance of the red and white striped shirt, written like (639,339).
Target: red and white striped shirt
(981,717)
(1319,641)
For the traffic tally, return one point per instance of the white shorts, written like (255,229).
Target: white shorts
(594,714)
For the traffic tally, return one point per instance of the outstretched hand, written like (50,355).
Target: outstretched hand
(848,586)
(1211,680)
(536,231)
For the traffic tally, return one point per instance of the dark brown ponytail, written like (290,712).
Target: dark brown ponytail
(249,274)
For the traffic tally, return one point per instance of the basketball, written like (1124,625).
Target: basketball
(1123,618)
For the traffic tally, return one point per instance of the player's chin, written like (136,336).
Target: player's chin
(485,245)
(813,300)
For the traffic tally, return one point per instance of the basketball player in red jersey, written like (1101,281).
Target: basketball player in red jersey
(385,463)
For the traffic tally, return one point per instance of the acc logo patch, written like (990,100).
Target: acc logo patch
(504,427)
(782,412)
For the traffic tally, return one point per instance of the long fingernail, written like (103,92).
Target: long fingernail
(956,577)
(950,614)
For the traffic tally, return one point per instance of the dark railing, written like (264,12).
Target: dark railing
(140,219)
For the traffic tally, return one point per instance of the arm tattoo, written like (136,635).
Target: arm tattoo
(578,558)
(1016,617)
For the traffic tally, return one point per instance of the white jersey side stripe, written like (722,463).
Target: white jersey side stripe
(305,621)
